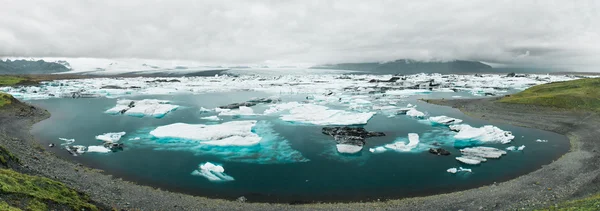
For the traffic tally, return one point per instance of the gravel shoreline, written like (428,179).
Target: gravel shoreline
(576,174)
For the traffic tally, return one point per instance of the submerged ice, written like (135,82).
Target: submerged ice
(212,172)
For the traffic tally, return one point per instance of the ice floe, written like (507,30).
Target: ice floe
(413,141)
(484,152)
(99,149)
(234,133)
(211,118)
(241,111)
(415,113)
(444,120)
(486,134)
(141,108)
(515,148)
(110,137)
(541,141)
(317,114)
(471,160)
(234,141)
(459,169)
(212,172)
(348,148)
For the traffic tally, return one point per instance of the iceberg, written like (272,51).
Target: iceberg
(241,111)
(414,113)
(234,133)
(211,118)
(488,133)
(141,108)
(67,141)
(318,115)
(511,148)
(99,149)
(212,172)
(521,148)
(204,110)
(348,148)
(378,150)
(444,120)
(483,152)
(459,169)
(413,141)
(110,137)
(541,141)
(471,160)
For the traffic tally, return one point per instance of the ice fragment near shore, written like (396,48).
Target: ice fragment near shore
(488,133)
(444,120)
(212,172)
(235,133)
(141,108)
(459,169)
(99,149)
(110,137)
(317,114)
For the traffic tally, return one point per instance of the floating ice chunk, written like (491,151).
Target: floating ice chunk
(141,108)
(234,133)
(414,113)
(211,118)
(378,107)
(408,92)
(204,110)
(241,111)
(444,120)
(484,152)
(110,137)
(521,148)
(318,115)
(67,141)
(511,148)
(486,133)
(99,149)
(377,150)
(413,141)
(459,169)
(212,172)
(348,148)
(471,160)
(541,141)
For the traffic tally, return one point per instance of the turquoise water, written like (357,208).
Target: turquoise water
(295,163)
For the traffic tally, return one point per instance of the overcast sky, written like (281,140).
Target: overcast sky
(521,32)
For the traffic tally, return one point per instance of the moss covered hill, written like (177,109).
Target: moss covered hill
(20,188)
(582,94)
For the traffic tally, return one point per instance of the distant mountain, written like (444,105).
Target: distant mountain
(23,67)
(406,66)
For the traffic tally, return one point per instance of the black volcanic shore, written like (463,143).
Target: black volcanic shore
(573,175)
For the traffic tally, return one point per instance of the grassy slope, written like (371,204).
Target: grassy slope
(582,94)
(39,191)
(586,204)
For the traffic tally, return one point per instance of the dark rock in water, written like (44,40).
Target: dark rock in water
(163,81)
(111,87)
(51,145)
(391,80)
(350,135)
(123,111)
(511,74)
(114,146)
(135,87)
(250,103)
(489,94)
(131,104)
(237,105)
(439,151)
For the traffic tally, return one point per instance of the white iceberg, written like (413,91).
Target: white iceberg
(444,120)
(241,111)
(99,149)
(317,114)
(204,110)
(110,137)
(484,152)
(471,160)
(348,148)
(234,133)
(521,148)
(378,150)
(211,118)
(415,113)
(459,169)
(511,148)
(413,141)
(67,141)
(141,108)
(408,92)
(212,172)
(541,141)
(488,133)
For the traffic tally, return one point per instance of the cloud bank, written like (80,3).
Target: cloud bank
(517,33)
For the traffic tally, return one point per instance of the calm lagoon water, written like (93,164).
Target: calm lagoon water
(328,176)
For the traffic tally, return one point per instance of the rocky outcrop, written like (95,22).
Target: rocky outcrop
(439,151)
(350,135)
(250,103)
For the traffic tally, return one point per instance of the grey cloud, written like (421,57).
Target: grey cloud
(556,33)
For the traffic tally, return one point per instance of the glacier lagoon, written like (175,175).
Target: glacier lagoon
(294,161)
